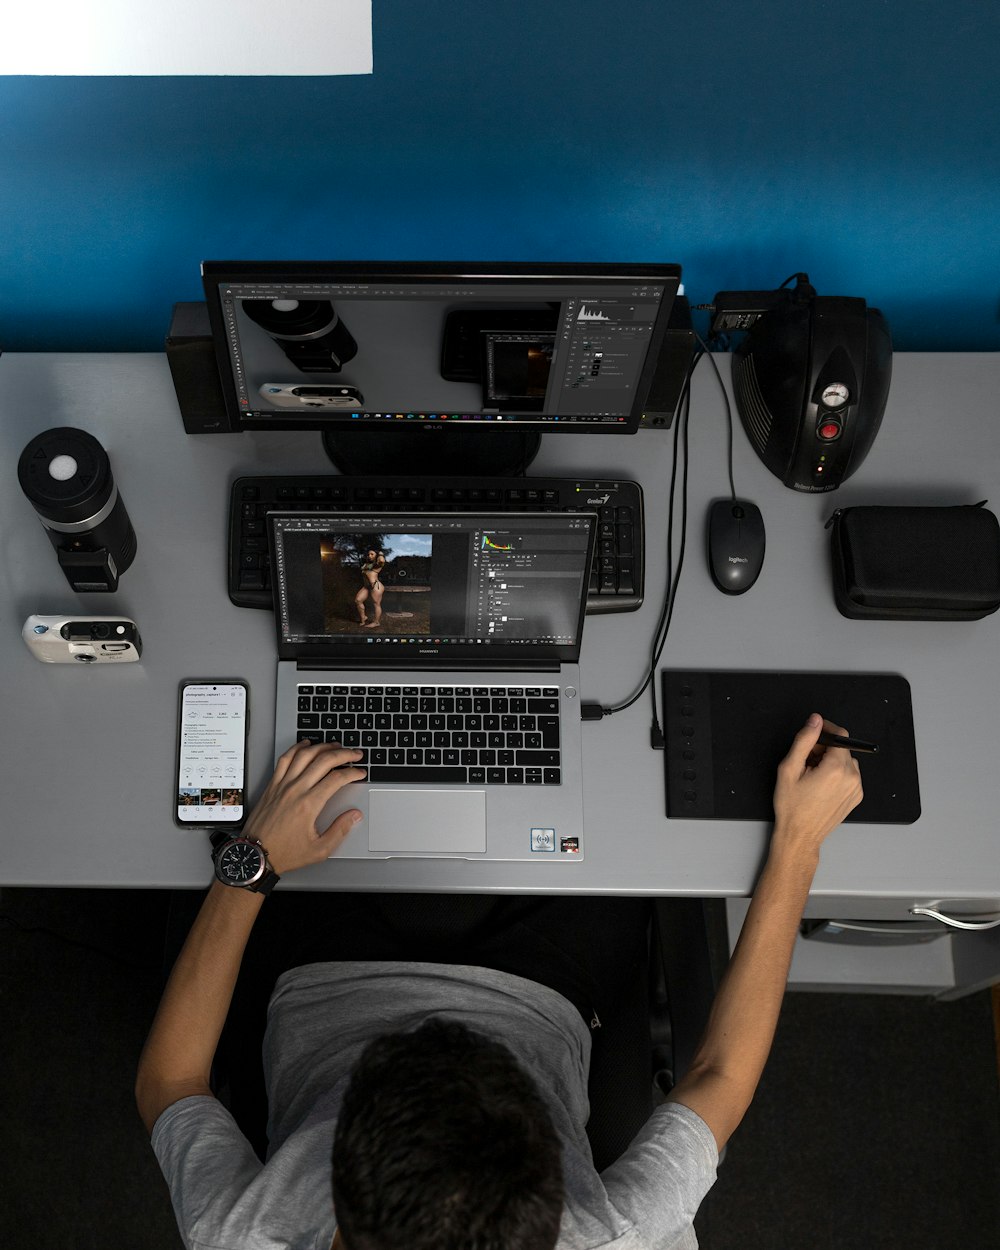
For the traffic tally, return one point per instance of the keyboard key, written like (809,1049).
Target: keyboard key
(387,773)
(539,758)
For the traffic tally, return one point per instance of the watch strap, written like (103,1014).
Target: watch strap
(267,882)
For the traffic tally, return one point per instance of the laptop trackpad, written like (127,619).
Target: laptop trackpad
(427,822)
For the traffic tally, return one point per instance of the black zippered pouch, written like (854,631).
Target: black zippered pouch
(916,564)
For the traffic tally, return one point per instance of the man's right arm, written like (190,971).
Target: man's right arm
(816,788)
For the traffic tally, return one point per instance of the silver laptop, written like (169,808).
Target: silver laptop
(445,647)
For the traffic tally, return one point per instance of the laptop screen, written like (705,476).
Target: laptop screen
(480,587)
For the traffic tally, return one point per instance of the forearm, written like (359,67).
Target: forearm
(177,1057)
(745,1013)
(737,1040)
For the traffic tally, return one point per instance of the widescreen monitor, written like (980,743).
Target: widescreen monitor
(484,347)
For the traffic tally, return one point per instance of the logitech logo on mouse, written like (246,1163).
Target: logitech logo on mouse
(738,560)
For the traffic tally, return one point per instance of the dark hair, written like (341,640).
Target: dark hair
(444,1143)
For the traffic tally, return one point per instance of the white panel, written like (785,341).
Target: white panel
(188,37)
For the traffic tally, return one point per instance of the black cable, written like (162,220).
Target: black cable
(798,277)
(672,579)
(729,410)
(595,711)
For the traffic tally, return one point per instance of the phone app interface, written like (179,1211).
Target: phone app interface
(213,736)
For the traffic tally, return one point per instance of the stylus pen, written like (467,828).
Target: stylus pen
(849,744)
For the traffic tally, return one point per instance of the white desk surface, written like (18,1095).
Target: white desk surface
(87,756)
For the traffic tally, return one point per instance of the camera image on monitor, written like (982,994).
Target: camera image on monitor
(299,395)
(308,331)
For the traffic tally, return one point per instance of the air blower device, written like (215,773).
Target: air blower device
(811,379)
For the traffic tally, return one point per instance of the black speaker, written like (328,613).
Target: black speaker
(811,380)
(671,369)
(191,357)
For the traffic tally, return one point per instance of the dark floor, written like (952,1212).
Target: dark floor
(876,1126)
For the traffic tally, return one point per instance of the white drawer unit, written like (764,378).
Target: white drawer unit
(943,947)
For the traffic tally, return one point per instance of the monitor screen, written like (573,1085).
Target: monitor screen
(463,585)
(334,344)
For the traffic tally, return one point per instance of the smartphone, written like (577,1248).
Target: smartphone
(212,728)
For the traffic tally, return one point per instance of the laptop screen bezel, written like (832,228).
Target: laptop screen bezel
(426,652)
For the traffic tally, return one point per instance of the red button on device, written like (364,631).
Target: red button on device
(829,430)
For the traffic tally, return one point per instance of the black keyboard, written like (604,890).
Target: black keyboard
(440,735)
(616,577)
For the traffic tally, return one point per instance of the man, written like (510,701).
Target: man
(443,1105)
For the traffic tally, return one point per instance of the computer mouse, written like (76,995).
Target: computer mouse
(735,544)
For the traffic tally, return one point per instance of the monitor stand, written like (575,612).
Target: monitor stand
(431,451)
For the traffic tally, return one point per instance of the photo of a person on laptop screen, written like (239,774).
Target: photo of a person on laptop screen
(424,1083)
(371,588)
(376,582)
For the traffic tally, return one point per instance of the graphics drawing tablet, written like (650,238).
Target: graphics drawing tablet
(726,732)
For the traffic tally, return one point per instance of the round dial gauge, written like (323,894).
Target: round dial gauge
(241,862)
(835,395)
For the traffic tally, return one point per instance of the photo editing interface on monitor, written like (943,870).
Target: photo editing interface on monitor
(531,349)
(431,582)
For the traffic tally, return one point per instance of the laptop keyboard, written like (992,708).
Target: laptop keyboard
(444,735)
(616,576)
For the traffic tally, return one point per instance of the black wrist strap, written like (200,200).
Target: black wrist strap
(267,883)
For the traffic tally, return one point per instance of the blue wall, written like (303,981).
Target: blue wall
(745,139)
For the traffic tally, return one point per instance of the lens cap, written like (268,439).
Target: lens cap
(66,474)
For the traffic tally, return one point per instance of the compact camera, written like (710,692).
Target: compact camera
(87,639)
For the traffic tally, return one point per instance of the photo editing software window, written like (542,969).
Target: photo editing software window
(386,579)
(455,350)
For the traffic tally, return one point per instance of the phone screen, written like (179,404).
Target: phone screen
(212,753)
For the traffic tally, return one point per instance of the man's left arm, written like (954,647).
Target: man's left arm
(177,1058)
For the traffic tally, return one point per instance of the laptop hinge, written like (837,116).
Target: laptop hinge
(440,666)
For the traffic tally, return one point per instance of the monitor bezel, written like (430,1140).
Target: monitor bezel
(217,273)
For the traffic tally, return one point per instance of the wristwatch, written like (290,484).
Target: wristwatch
(242,862)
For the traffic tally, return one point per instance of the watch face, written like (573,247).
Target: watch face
(241,863)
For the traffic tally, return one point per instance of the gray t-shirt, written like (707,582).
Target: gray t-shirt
(320,1018)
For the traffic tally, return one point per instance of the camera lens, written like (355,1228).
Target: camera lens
(66,475)
(101,630)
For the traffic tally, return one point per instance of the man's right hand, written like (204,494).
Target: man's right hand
(816,788)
